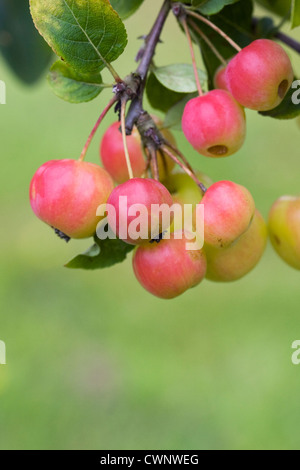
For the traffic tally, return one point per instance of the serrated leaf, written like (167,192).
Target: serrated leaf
(126,8)
(212,7)
(179,77)
(174,115)
(160,97)
(103,254)
(72,86)
(87,34)
(20,44)
(295,13)
(290,106)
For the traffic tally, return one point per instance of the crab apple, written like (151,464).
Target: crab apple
(134,215)
(220,78)
(113,158)
(167,269)
(284,229)
(66,194)
(260,75)
(234,262)
(214,124)
(185,191)
(228,211)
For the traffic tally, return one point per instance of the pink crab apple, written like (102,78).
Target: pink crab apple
(228,211)
(167,269)
(220,78)
(214,124)
(113,157)
(236,261)
(260,75)
(133,216)
(284,229)
(65,194)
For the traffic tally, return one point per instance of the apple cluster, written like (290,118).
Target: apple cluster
(66,194)
(258,78)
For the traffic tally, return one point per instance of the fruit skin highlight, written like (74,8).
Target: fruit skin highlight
(260,75)
(214,124)
(236,261)
(65,194)
(138,191)
(284,229)
(167,269)
(228,211)
(112,154)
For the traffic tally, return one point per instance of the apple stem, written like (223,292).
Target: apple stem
(95,128)
(184,167)
(208,42)
(123,127)
(154,163)
(216,28)
(179,154)
(191,47)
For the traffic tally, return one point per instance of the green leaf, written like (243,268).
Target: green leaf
(20,44)
(179,77)
(87,34)
(280,7)
(211,7)
(126,8)
(295,13)
(72,86)
(290,106)
(174,115)
(161,97)
(103,254)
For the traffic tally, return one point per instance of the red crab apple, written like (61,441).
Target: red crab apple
(113,156)
(233,263)
(228,211)
(167,269)
(284,229)
(66,194)
(133,216)
(260,75)
(220,78)
(214,124)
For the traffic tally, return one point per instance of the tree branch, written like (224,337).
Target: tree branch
(136,107)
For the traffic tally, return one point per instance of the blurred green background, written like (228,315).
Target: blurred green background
(95,362)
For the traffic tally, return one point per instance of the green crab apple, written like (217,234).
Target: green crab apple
(233,263)
(185,191)
(260,75)
(284,229)
(133,213)
(65,194)
(113,157)
(167,269)
(228,212)
(214,124)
